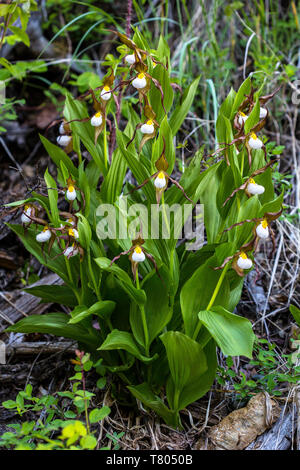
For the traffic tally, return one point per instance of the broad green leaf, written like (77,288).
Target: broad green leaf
(181,110)
(232,333)
(207,192)
(75,109)
(194,261)
(163,50)
(64,172)
(272,206)
(249,209)
(253,118)
(138,295)
(165,135)
(162,75)
(225,135)
(227,185)
(197,292)
(139,40)
(265,179)
(57,324)
(88,442)
(240,96)
(201,384)
(20,34)
(61,294)
(53,197)
(226,106)
(135,166)
(57,265)
(97,414)
(92,173)
(103,309)
(143,393)
(295,311)
(124,340)
(84,231)
(112,185)
(187,364)
(157,309)
(236,286)
(58,155)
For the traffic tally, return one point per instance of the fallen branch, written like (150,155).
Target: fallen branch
(42,347)
(17,304)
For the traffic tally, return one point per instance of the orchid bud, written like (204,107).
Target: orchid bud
(160,181)
(71,251)
(105,93)
(242,118)
(140,81)
(25,217)
(73,233)
(130,59)
(254,142)
(71,193)
(262,113)
(63,140)
(262,230)
(71,221)
(43,236)
(96,120)
(254,188)
(61,129)
(138,255)
(148,127)
(244,262)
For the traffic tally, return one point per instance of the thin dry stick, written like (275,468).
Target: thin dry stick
(13,305)
(6,318)
(272,279)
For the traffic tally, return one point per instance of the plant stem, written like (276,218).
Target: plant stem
(176,399)
(213,298)
(72,281)
(96,287)
(217,288)
(121,353)
(82,283)
(242,164)
(84,397)
(164,212)
(105,146)
(145,327)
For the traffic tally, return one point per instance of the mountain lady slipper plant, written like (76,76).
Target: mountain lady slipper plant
(148,308)
(161,177)
(148,128)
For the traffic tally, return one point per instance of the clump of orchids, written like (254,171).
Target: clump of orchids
(161,178)
(67,232)
(137,254)
(147,128)
(249,140)
(97,120)
(261,231)
(160,341)
(141,81)
(250,187)
(241,261)
(65,138)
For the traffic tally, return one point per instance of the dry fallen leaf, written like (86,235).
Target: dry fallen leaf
(241,427)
